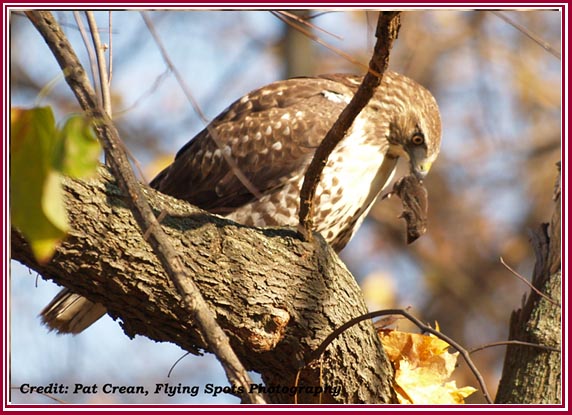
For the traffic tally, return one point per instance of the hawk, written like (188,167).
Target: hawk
(249,163)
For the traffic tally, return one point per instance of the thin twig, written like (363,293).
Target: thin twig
(101,63)
(212,133)
(516,342)
(176,363)
(307,23)
(110,36)
(199,311)
(387,29)
(528,33)
(532,287)
(316,354)
(144,95)
(47,89)
(47,395)
(296,383)
(89,49)
(320,14)
(316,39)
(104,84)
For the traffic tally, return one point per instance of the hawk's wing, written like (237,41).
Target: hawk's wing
(271,134)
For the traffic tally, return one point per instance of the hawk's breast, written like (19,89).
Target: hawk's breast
(353,177)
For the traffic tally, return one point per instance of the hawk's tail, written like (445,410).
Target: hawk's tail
(71,313)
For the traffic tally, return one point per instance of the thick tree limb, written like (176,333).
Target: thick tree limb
(533,375)
(117,158)
(275,296)
(388,25)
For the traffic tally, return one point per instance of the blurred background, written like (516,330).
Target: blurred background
(500,99)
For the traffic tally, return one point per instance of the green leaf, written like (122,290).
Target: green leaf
(36,196)
(78,150)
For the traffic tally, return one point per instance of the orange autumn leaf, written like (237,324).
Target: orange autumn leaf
(423,367)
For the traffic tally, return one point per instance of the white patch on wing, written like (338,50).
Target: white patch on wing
(337,98)
(277,146)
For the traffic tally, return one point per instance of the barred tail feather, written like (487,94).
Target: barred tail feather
(71,313)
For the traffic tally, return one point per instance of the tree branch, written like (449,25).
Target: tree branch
(533,375)
(101,62)
(275,296)
(196,306)
(387,29)
(465,354)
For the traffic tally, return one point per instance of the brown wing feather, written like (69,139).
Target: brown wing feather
(270,133)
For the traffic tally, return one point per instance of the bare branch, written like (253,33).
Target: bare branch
(89,49)
(101,63)
(533,375)
(517,342)
(532,287)
(528,33)
(145,94)
(169,258)
(305,23)
(316,39)
(424,327)
(47,395)
(387,30)
(110,37)
(230,161)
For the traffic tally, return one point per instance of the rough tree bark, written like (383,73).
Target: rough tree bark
(533,375)
(276,296)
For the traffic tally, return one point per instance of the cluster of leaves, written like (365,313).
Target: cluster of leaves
(423,367)
(41,154)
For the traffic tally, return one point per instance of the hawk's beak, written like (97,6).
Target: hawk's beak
(421,169)
(419,163)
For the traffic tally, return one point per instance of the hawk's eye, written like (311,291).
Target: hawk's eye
(417,139)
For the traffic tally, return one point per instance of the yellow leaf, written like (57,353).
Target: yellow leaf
(412,346)
(423,367)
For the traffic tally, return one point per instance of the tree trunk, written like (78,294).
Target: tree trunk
(275,296)
(533,375)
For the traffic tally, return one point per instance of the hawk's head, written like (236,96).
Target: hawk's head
(415,132)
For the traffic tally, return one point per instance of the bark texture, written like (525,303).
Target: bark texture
(276,296)
(533,375)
